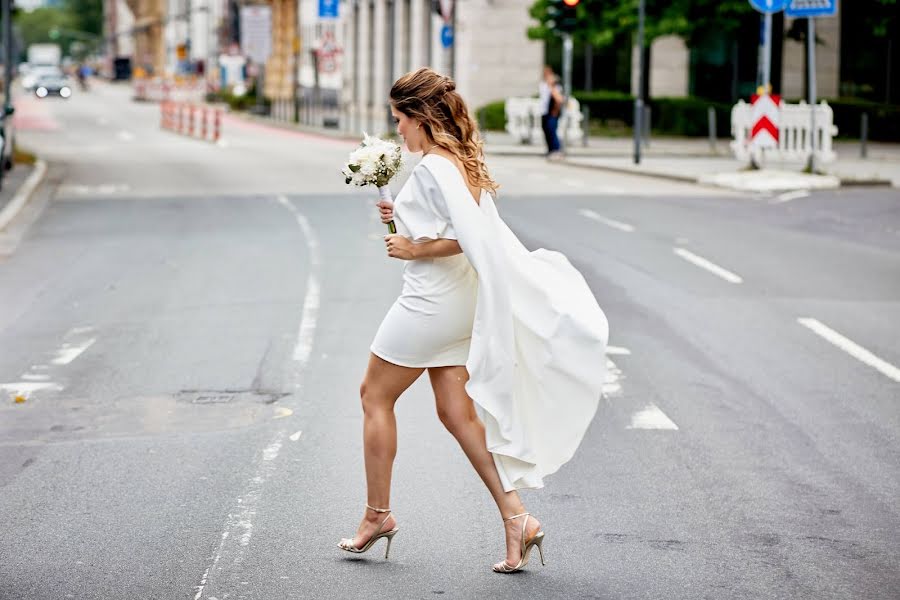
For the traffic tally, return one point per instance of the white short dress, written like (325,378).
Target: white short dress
(524,323)
(430,324)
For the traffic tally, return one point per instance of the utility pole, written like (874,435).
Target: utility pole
(5,14)
(639,97)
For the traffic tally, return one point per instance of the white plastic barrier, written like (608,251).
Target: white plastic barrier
(523,120)
(159,90)
(793,133)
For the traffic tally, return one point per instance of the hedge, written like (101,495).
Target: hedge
(689,116)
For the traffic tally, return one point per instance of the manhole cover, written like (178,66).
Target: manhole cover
(228,396)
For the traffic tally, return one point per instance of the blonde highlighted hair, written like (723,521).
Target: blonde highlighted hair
(432,99)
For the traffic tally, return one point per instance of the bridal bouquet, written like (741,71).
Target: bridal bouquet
(375,162)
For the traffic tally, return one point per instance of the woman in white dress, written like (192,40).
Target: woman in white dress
(513,341)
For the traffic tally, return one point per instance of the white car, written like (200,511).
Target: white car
(37,72)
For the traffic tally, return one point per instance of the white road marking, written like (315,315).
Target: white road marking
(69,352)
(295,436)
(708,265)
(311,304)
(35,377)
(125,136)
(104,189)
(651,417)
(851,348)
(240,522)
(282,412)
(612,387)
(617,350)
(585,212)
(788,196)
(28,387)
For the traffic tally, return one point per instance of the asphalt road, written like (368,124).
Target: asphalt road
(191,322)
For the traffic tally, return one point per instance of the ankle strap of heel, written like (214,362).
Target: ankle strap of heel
(516,516)
(378,510)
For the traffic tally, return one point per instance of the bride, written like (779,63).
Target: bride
(513,341)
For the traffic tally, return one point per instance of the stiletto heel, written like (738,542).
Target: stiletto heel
(347,543)
(390,538)
(539,543)
(527,545)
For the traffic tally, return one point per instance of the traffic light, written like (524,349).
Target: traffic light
(564,15)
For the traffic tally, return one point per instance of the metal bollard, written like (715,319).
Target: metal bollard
(648,115)
(217,125)
(203,116)
(180,118)
(586,125)
(864,136)
(711,119)
(191,111)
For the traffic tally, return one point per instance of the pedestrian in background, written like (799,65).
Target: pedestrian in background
(552,99)
(513,341)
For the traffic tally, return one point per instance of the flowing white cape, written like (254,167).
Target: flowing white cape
(537,360)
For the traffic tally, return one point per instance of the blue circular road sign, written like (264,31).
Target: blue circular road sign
(769,6)
(446,36)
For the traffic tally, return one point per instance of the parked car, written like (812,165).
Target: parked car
(31,76)
(53,85)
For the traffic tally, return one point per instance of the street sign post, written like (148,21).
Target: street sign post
(767,7)
(809,10)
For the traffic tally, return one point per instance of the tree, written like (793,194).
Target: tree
(35,26)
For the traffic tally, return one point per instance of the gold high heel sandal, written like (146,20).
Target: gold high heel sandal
(537,540)
(347,543)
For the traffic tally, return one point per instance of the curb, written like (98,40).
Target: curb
(625,171)
(23,194)
(843,182)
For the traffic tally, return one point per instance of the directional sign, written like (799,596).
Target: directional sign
(765,114)
(328,9)
(810,8)
(768,6)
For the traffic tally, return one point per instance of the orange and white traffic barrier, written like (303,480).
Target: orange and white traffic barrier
(182,118)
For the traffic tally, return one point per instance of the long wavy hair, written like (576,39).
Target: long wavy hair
(432,99)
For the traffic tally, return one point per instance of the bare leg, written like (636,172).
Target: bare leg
(457,412)
(381,387)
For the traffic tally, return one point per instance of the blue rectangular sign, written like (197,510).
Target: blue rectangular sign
(811,8)
(328,9)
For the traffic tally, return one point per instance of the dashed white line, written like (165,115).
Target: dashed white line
(310,312)
(851,348)
(240,521)
(651,417)
(788,196)
(68,352)
(295,436)
(618,350)
(612,387)
(585,212)
(708,265)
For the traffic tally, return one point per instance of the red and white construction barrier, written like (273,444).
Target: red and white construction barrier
(200,122)
(162,90)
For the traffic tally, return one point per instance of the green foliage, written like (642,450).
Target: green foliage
(35,27)
(600,22)
(884,119)
(86,15)
(492,116)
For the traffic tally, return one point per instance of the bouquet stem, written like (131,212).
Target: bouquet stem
(385,193)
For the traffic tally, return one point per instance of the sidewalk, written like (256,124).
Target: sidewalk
(692,160)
